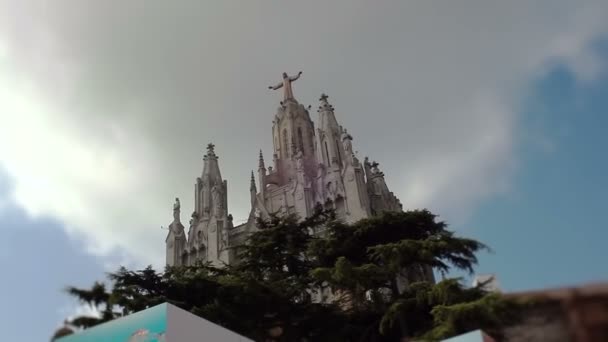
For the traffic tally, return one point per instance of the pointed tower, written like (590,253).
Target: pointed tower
(342,180)
(330,155)
(329,135)
(292,131)
(381,198)
(353,176)
(252,189)
(286,188)
(176,238)
(209,235)
(261,173)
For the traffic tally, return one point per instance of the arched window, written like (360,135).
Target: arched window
(300,139)
(285,145)
(327,154)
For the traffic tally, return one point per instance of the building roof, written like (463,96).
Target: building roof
(563,293)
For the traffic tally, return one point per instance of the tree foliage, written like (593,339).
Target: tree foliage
(287,261)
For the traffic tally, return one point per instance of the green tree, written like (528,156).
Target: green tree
(96,297)
(287,261)
(364,260)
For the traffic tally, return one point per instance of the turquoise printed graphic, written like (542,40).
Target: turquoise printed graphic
(145,326)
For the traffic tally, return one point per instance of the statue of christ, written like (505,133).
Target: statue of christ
(286,85)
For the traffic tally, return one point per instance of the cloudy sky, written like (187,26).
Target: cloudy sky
(491,114)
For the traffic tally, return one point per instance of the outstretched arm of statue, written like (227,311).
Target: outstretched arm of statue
(278,86)
(293,78)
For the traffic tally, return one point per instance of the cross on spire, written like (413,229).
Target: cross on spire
(324,103)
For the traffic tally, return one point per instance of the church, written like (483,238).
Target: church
(310,166)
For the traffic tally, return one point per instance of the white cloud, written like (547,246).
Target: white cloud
(572,48)
(454,178)
(105,114)
(59,172)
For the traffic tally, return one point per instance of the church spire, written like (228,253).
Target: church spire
(211,169)
(252,182)
(327,118)
(210,149)
(331,134)
(252,189)
(261,161)
(210,188)
(261,173)
(324,103)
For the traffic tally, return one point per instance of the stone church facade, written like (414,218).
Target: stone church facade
(310,165)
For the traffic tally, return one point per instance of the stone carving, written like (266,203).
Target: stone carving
(193,224)
(210,149)
(193,219)
(286,85)
(375,169)
(324,102)
(340,190)
(366,162)
(257,213)
(224,237)
(347,143)
(176,210)
(331,190)
(377,180)
(299,160)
